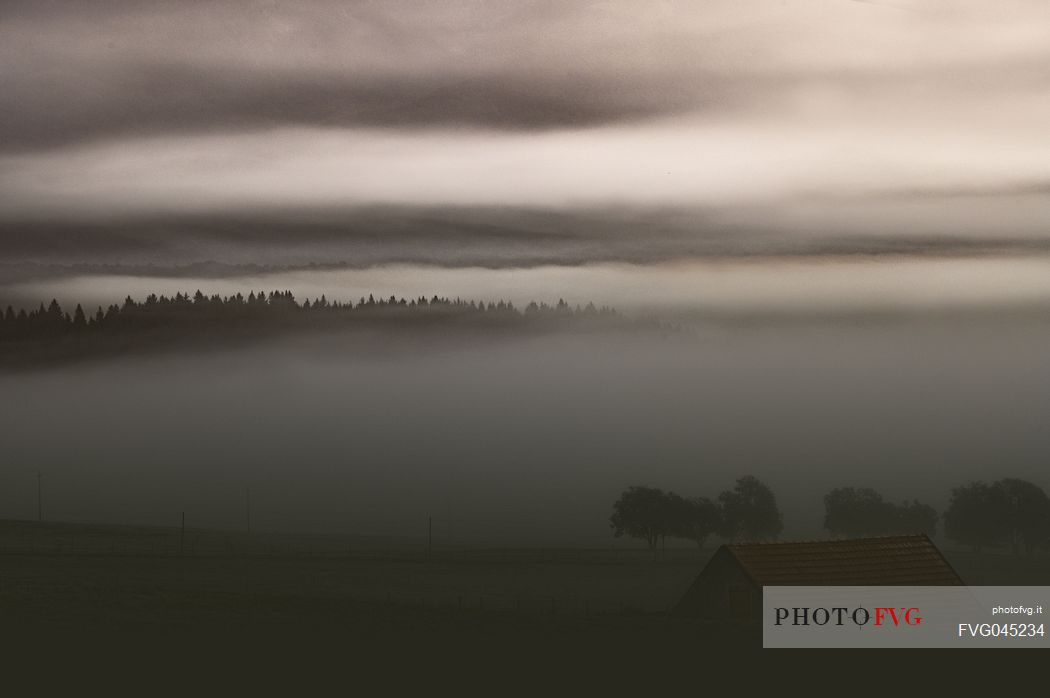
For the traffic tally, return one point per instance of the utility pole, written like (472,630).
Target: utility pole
(430,535)
(248,509)
(39,497)
(182,534)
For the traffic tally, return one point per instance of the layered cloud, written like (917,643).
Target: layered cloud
(516,133)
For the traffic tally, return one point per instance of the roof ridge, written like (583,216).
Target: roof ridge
(825,541)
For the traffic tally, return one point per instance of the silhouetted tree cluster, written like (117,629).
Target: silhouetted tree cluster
(222,316)
(1007,512)
(51,320)
(748,512)
(857,512)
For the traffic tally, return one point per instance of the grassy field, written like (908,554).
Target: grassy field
(75,576)
(69,575)
(90,605)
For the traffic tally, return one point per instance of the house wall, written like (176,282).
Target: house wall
(722,592)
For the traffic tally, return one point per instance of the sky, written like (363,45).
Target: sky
(843,202)
(521,134)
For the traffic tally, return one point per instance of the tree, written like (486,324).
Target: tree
(695,518)
(1027,511)
(642,512)
(855,512)
(977,515)
(914,517)
(1010,511)
(54,319)
(750,512)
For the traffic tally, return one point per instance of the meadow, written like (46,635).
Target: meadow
(136,578)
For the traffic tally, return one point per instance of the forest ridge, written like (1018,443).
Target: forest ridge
(52,332)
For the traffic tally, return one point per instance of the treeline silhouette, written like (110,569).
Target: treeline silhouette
(857,512)
(49,330)
(1010,512)
(747,512)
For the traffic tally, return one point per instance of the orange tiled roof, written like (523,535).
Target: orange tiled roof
(891,560)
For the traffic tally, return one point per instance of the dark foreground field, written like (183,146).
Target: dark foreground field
(350,600)
(123,577)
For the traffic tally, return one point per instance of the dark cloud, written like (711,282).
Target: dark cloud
(1024,188)
(77,72)
(70,105)
(74,72)
(364,236)
(158,100)
(233,243)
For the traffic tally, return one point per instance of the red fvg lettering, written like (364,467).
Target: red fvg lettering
(908,616)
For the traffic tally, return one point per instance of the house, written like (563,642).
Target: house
(730,586)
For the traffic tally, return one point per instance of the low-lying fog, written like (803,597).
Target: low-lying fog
(802,285)
(529,440)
